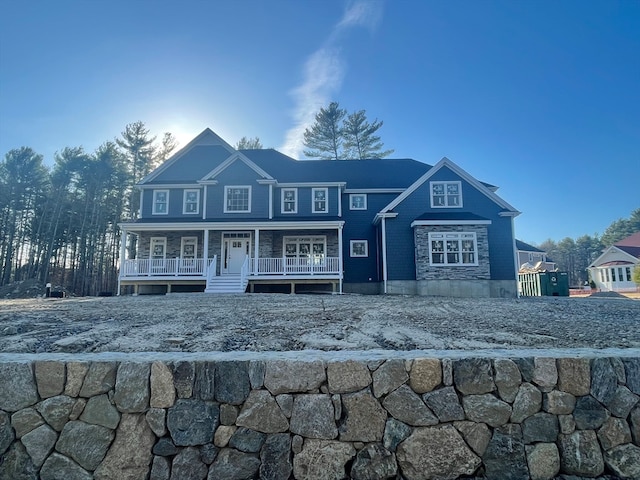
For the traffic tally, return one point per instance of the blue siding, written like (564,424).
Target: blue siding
(359,226)
(238,173)
(305,204)
(176,199)
(400,239)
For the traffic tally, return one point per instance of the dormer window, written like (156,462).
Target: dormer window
(446,194)
(237,199)
(160,202)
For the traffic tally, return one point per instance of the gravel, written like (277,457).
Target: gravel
(273,322)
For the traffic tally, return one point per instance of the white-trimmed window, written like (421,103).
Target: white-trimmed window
(304,246)
(191,201)
(357,201)
(453,249)
(359,248)
(319,200)
(160,202)
(446,194)
(289,200)
(237,199)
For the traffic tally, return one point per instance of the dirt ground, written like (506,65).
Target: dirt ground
(273,322)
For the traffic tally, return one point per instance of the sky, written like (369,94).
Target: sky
(540,98)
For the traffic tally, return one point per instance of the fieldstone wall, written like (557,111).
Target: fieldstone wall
(270,418)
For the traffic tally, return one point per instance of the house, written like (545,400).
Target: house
(613,270)
(532,258)
(220,220)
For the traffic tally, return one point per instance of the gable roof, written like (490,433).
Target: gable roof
(628,248)
(445,162)
(206,143)
(239,156)
(630,245)
(525,247)
(207,155)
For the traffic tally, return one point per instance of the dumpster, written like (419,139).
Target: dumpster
(542,284)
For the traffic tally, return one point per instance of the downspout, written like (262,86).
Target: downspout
(384,253)
(204,203)
(515,255)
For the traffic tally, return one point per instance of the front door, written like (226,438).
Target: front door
(235,249)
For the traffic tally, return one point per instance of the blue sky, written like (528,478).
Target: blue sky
(541,98)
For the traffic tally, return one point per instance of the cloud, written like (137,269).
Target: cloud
(324,71)
(362,14)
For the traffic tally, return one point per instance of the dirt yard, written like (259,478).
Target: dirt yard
(272,322)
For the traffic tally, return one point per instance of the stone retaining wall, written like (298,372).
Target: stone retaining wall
(393,418)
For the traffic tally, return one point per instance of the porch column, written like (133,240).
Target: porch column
(205,251)
(340,229)
(384,254)
(123,253)
(256,250)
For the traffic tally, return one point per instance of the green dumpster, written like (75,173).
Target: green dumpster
(542,284)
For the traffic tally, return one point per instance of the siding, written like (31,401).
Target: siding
(359,226)
(401,251)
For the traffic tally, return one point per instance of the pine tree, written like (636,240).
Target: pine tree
(324,138)
(249,144)
(360,141)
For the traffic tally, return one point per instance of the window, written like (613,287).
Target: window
(160,202)
(289,200)
(628,274)
(319,196)
(446,194)
(453,249)
(358,201)
(300,247)
(191,201)
(613,274)
(359,248)
(157,253)
(237,199)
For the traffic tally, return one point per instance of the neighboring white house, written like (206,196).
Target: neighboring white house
(613,270)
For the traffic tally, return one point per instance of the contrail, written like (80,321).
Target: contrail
(324,71)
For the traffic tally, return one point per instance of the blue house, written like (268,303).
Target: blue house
(217,219)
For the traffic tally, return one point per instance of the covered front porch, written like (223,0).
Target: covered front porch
(232,257)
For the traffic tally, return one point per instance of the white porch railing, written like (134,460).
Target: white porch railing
(296,266)
(163,267)
(147,267)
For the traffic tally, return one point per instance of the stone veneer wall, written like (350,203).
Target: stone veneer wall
(396,417)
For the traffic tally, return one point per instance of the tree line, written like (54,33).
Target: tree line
(574,256)
(59,224)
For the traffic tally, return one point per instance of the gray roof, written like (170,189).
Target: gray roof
(374,173)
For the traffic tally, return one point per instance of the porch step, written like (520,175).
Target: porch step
(225,284)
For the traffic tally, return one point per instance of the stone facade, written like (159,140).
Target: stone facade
(426,271)
(404,417)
